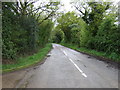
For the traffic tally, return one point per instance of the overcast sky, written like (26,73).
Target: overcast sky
(67,6)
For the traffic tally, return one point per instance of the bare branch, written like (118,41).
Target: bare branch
(79,10)
(51,14)
(39,8)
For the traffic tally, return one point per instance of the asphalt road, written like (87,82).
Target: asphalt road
(67,68)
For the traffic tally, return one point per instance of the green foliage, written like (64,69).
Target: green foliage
(96,31)
(96,16)
(10,51)
(75,34)
(108,36)
(84,33)
(113,56)
(57,36)
(65,24)
(44,32)
(75,29)
(24,31)
(24,62)
(9,47)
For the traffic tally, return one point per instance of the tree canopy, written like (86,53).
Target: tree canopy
(27,28)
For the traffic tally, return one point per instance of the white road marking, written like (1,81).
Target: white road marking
(65,53)
(84,74)
(76,65)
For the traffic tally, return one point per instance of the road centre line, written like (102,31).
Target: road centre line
(76,65)
(65,53)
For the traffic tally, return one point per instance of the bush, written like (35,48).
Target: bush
(57,36)
(22,34)
(84,34)
(107,38)
(9,51)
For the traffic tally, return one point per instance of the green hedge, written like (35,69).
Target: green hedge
(24,62)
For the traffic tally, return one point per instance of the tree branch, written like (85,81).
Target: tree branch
(79,10)
(51,14)
(39,8)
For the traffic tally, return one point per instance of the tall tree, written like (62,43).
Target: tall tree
(65,22)
(92,13)
(24,26)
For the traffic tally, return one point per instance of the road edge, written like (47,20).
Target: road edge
(106,60)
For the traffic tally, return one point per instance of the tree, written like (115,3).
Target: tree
(74,29)
(92,13)
(65,22)
(26,28)
(57,35)
(108,36)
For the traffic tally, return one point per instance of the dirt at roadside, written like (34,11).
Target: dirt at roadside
(10,80)
(14,78)
(110,62)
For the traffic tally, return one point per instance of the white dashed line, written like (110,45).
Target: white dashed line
(84,74)
(65,53)
(76,66)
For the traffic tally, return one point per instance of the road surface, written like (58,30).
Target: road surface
(67,68)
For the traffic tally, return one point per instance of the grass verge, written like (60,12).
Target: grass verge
(24,62)
(101,55)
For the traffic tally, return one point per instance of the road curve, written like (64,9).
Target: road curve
(67,68)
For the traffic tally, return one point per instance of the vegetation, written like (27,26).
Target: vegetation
(27,29)
(23,62)
(93,52)
(94,30)
(57,36)
(24,29)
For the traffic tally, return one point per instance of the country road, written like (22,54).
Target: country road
(67,68)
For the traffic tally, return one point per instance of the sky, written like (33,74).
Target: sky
(67,6)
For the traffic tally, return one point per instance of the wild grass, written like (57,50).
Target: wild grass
(24,62)
(112,56)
